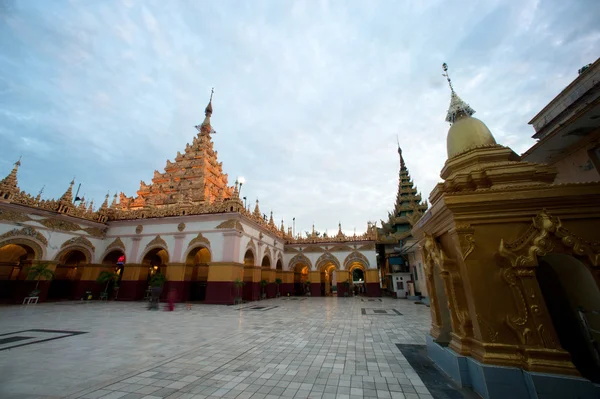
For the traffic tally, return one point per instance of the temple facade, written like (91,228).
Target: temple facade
(400,263)
(188,224)
(511,247)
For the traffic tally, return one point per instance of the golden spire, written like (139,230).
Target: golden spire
(105,203)
(282,229)
(271,221)
(82,205)
(257,210)
(402,165)
(91,207)
(68,195)
(39,196)
(113,205)
(8,185)
(205,127)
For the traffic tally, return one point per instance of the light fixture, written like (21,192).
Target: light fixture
(241,180)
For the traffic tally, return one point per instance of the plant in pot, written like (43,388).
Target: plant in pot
(278,283)
(263,284)
(106,276)
(156,285)
(38,272)
(238,286)
(307,288)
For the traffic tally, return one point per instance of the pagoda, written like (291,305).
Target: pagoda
(393,237)
(196,176)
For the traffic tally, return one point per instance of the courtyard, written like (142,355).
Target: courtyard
(288,347)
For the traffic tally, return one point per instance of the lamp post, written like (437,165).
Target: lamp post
(241,180)
(294,227)
(244,202)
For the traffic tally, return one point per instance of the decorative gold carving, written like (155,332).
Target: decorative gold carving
(312,249)
(181,226)
(57,224)
(367,247)
(356,257)
(139,229)
(25,232)
(157,242)
(199,239)
(299,259)
(466,239)
(231,224)
(79,241)
(96,232)
(117,243)
(326,259)
(13,216)
(492,335)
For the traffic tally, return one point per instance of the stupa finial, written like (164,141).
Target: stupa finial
(458,108)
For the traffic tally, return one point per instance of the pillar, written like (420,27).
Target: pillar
(252,276)
(134,282)
(176,281)
(341,278)
(220,288)
(372,283)
(89,275)
(268,275)
(287,284)
(315,283)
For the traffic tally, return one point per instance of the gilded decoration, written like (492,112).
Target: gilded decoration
(181,226)
(13,216)
(78,241)
(356,257)
(299,259)
(231,224)
(57,224)
(67,249)
(543,236)
(25,232)
(199,240)
(327,258)
(139,228)
(367,247)
(95,232)
(466,239)
(312,249)
(157,242)
(116,244)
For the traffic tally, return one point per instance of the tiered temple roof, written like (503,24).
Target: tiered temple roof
(407,210)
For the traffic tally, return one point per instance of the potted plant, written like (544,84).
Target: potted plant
(278,283)
(156,283)
(307,288)
(238,286)
(263,284)
(106,277)
(38,272)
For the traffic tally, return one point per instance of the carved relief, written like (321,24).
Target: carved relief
(27,232)
(139,229)
(79,241)
(95,232)
(466,239)
(117,243)
(299,259)
(157,242)
(356,257)
(326,259)
(367,247)
(181,226)
(13,216)
(313,249)
(57,224)
(231,224)
(199,239)
(251,245)
(344,247)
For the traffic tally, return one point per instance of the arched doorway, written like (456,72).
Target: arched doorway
(356,279)
(156,260)
(67,274)
(14,260)
(265,266)
(111,259)
(568,287)
(279,288)
(251,288)
(300,277)
(197,262)
(328,279)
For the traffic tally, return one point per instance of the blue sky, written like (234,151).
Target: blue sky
(309,95)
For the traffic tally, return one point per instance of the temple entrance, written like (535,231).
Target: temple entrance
(358,281)
(66,275)
(300,278)
(14,259)
(264,275)
(328,282)
(250,287)
(568,288)
(156,261)
(197,262)
(111,259)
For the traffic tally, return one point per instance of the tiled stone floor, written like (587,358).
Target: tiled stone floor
(310,348)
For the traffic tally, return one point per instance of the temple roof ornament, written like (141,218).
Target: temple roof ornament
(458,108)
(9,185)
(68,195)
(114,204)
(105,203)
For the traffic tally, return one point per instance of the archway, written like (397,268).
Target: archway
(568,287)
(300,277)
(265,275)
(328,279)
(67,274)
(251,287)
(14,260)
(197,262)
(357,278)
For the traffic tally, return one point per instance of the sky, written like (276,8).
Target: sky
(310,96)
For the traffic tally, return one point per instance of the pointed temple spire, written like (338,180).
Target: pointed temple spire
(68,195)
(39,196)
(282,228)
(458,108)
(82,205)
(105,203)
(9,185)
(91,207)
(271,221)
(205,127)
(113,205)
(257,210)
(402,164)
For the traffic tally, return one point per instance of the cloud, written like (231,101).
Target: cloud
(310,96)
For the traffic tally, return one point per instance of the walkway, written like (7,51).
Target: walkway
(288,347)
